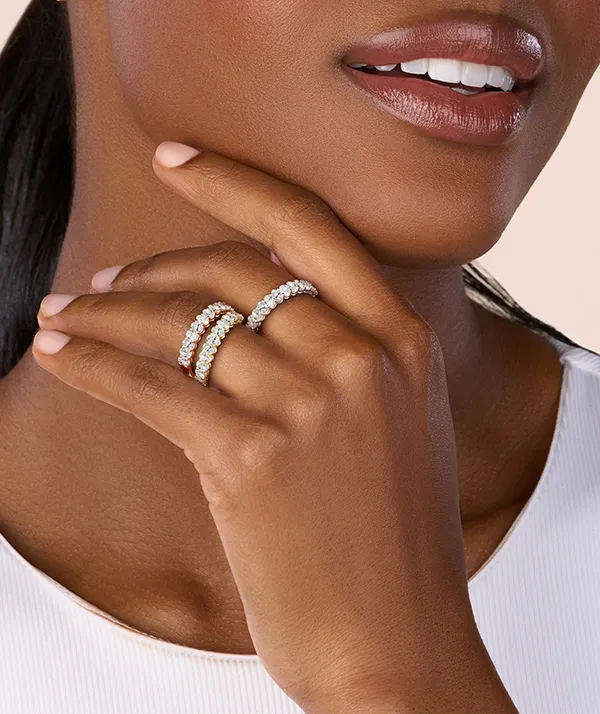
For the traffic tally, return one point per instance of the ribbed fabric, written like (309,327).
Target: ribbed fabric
(536,602)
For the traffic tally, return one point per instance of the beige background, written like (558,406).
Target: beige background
(549,257)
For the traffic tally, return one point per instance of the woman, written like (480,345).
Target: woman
(384,495)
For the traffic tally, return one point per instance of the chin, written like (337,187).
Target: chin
(429,242)
(424,223)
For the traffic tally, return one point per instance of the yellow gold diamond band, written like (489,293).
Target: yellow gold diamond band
(197,329)
(212,342)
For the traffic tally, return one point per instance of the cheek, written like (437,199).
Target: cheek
(576,27)
(220,71)
(176,62)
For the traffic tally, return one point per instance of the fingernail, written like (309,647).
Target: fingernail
(103,279)
(274,258)
(171,154)
(50,341)
(53,304)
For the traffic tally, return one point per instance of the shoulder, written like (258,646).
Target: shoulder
(575,453)
(582,376)
(580,401)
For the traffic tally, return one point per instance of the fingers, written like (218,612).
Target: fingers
(298,226)
(203,422)
(240,275)
(153,325)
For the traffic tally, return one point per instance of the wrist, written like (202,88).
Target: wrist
(467,685)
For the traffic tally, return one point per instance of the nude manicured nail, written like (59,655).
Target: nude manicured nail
(50,341)
(53,304)
(103,279)
(171,154)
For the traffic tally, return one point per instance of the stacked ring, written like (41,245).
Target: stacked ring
(276,297)
(197,329)
(214,339)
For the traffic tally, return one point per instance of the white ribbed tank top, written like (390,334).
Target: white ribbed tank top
(536,602)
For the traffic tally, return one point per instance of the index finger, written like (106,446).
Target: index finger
(293,222)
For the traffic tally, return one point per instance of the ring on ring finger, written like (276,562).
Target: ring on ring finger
(195,332)
(212,342)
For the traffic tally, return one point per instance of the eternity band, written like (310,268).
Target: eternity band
(197,329)
(276,297)
(212,342)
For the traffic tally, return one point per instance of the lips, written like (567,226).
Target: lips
(488,118)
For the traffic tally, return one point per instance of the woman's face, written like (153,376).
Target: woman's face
(265,82)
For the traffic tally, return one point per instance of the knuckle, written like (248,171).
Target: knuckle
(359,357)
(96,306)
(231,253)
(138,274)
(213,180)
(86,362)
(309,402)
(179,310)
(259,445)
(146,382)
(250,468)
(302,210)
(420,347)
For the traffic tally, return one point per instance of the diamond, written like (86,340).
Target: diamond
(287,291)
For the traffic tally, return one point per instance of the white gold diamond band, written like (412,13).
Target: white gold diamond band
(276,297)
(214,339)
(197,329)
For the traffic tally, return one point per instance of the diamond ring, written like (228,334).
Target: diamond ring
(276,297)
(197,329)
(212,342)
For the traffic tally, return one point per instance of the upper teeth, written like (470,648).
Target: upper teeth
(454,71)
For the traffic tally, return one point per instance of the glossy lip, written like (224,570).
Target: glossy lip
(490,118)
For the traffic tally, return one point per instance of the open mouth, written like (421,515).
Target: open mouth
(467,78)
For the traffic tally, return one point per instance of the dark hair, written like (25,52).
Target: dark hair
(36,168)
(37,136)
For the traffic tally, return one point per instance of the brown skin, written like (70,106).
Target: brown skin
(290,471)
(138,539)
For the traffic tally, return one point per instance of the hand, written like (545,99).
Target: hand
(326,452)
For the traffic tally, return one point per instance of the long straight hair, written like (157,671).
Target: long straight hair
(37,140)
